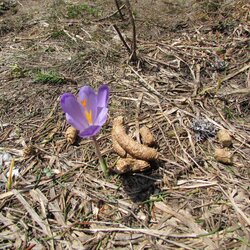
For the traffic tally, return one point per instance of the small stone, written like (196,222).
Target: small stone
(224,138)
(223,155)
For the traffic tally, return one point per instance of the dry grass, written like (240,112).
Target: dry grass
(194,63)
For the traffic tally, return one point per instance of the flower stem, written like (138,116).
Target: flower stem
(101,160)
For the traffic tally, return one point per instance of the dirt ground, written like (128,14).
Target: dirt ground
(191,79)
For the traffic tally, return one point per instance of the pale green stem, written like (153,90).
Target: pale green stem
(10,178)
(101,160)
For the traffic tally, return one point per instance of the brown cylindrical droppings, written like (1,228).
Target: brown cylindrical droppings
(131,165)
(224,138)
(70,135)
(133,148)
(117,148)
(146,136)
(224,156)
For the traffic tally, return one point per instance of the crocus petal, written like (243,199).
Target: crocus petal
(74,123)
(90,131)
(101,117)
(73,110)
(88,94)
(87,112)
(103,96)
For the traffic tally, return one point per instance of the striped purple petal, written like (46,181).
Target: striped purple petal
(87,112)
(103,96)
(90,131)
(74,112)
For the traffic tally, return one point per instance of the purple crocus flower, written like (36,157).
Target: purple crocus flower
(88,111)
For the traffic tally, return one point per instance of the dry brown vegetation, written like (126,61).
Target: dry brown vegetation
(193,64)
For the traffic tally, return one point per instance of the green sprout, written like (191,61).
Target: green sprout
(16,71)
(74,11)
(51,77)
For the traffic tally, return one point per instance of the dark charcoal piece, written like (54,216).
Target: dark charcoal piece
(138,187)
(203,129)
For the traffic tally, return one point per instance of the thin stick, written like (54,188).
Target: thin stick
(112,14)
(122,39)
(133,56)
(228,77)
(152,232)
(119,9)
